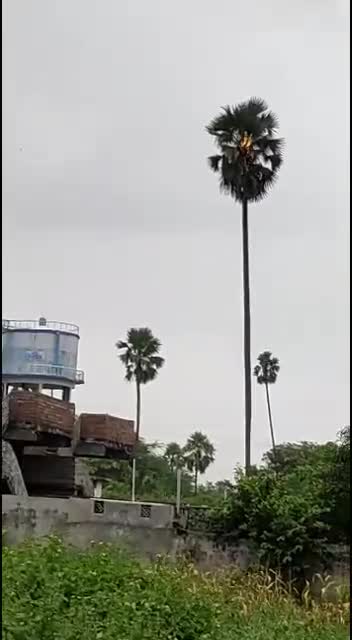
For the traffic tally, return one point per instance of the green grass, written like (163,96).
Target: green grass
(54,593)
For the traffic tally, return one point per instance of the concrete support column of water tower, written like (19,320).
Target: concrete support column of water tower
(66,394)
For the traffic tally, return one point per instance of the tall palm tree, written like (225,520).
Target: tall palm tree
(199,453)
(248,163)
(140,356)
(174,456)
(266,373)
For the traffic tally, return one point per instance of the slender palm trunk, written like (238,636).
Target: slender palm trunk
(247,337)
(195,480)
(138,410)
(270,417)
(178,490)
(138,425)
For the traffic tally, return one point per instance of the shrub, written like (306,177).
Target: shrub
(293,506)
(54,593)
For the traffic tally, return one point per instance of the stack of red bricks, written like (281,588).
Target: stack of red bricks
(41,413)
(100,427)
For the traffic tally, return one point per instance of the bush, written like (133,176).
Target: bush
(285,525)
(293,506)
(54,593)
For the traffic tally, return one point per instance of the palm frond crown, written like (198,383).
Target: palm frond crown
(199,452)
(250,153)
(174,455)
(268,368)
(140,355)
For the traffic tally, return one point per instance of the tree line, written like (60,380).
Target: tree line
(290,506)
(297,500)
(140,355)
(155,473)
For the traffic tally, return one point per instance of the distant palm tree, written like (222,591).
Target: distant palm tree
(140,356)
(266,373)
(174,456)
(249,159)
(199,453)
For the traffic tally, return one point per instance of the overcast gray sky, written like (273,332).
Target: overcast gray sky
(111,218)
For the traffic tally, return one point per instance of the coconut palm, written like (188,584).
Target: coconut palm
(266,373)
(248,163)
(198,453)
(140,356)
(174,456)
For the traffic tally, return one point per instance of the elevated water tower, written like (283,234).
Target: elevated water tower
(39,355)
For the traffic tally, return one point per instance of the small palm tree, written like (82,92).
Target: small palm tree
(174,456)
(248,162)
(198,453)
(266,373)
(140,355)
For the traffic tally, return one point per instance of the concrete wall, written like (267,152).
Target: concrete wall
(144,528)
(208,556)
(75,521)
(147,529)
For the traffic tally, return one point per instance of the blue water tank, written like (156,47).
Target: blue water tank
(40,351)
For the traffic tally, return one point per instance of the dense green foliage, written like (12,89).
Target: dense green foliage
(53,593)
(155,476)
(323,470)
(292,507)
(156,472)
